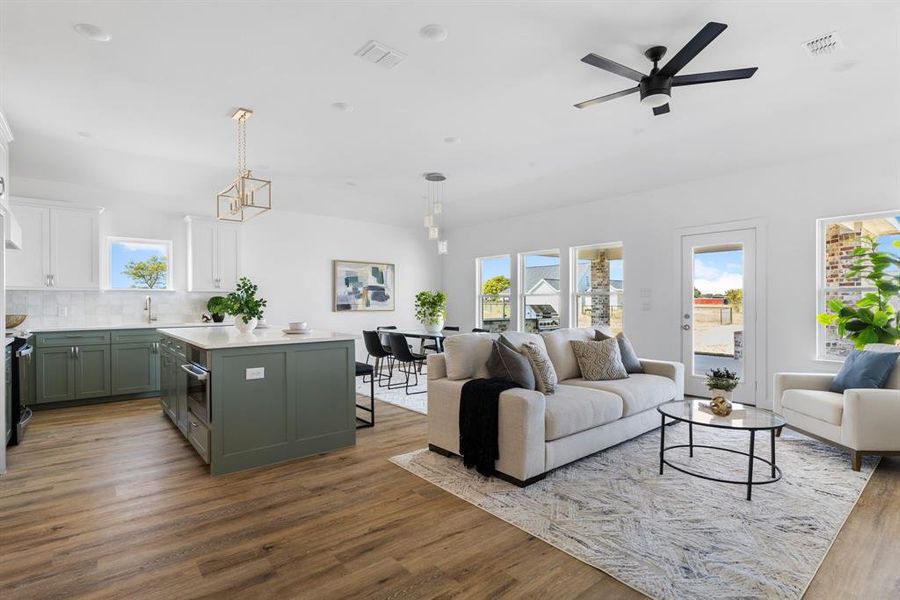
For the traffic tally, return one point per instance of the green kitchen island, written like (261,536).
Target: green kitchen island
(246,400)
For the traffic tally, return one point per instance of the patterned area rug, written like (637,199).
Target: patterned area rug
(676,536)
(398,397)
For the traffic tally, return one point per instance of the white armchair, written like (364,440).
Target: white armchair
(864,421)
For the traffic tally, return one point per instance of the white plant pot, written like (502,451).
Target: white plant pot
(434,327)
(244,327)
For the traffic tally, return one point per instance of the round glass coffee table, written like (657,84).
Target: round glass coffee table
(742,418)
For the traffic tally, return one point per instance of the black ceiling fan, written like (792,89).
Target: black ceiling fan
(656,88)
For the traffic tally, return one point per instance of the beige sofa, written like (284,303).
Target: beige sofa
(537,432)
(864,421)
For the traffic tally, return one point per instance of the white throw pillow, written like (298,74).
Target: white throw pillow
(544,373)
(466,355)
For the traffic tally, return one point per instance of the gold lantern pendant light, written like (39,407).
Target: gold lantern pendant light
(247,196)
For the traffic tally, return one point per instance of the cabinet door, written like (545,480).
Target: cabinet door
(74,249)
(181,387)
(203,248)
(135,368)
(229,256)
(54,374)
(28,268)
(92,378)
(8,396)
(166,381)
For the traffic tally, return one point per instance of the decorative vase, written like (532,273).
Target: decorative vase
(247,327)
(721,402)
(217,318)
(434,326)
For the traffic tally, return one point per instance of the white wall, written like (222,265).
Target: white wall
(788,197)
(289,255)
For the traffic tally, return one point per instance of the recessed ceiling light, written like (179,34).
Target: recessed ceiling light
(84,134)
(263,167)
(92,32)
(351,183)
(342,106)
(434,32)
(452,140)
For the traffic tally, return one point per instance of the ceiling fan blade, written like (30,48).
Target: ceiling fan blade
(700,41)
(661,110)
(714,76)
(612,67)
(606,98)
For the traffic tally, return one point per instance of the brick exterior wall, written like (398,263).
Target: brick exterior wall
(600,290)
(839,246)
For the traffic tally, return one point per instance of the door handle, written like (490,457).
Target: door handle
(77,353)
(199,376)
(686,327)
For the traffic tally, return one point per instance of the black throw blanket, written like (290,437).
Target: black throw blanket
(479,405)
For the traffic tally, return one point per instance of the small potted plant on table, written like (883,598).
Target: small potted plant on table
(245,306)
(721,384)
(217,307)
(430,310)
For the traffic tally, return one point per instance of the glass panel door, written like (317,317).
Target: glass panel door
(717,319)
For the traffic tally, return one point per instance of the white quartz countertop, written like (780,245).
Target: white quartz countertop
(9,340)
(140,325)
(229,337)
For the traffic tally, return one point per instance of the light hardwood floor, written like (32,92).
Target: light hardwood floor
(109,501)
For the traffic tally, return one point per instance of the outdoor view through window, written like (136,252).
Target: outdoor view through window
(718,308)
(599,286)
(493,292)
(139,264)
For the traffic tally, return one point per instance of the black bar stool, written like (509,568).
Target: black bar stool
(364,369)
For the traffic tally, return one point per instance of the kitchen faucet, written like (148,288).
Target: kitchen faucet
(148,306)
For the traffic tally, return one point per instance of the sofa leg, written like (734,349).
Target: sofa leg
(856,460)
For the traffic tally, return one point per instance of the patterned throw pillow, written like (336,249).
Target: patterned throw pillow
(599,361)
(506,363)
(629,356)
(544,373)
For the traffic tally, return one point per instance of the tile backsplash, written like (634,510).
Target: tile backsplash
(75,309)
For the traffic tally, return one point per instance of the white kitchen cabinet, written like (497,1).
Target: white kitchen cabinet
(214,255)
(60,248)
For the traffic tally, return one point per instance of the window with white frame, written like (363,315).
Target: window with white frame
(837,240)
(494,273)
(599,285)
(539,291)
(140,264)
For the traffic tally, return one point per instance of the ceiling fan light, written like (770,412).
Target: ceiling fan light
(655,100)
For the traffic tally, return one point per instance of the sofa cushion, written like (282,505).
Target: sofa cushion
(545,378)
(629,356)
(466,355)
(639,392)
(508,364)
(517,339)
(559,348)
(599,360)
(864,370)
(572,409)
(893,382)
(819,405)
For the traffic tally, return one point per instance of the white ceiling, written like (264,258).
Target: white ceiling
(158,97)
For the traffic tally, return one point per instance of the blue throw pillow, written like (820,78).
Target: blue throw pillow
(864,370)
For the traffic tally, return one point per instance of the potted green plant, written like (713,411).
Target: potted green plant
(872,319)
(217,307)
(245,306)
(721,384)
(430,309)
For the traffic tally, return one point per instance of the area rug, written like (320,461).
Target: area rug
(398,397)
(676,536)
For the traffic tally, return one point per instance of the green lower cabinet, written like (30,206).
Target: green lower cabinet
(54,374)
(181,393)
(135,368)
(92,377)
(167,384)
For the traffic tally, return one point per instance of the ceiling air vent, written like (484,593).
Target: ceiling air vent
(823,44)
(380,54)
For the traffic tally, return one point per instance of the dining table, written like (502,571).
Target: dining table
(423,335)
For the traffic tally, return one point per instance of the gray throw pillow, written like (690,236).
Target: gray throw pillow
(507,364)
(626,350)
(599,361)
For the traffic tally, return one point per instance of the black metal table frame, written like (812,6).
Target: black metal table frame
(776,471)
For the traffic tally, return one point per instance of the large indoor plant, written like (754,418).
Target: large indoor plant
(430,309)
(245,306)
(873,319)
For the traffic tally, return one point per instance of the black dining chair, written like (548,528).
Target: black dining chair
(479,330)
(376,350)
(410,363)
(384,337)
(435,345)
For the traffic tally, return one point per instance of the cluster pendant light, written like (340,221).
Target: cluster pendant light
(247,196)
(434,208)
